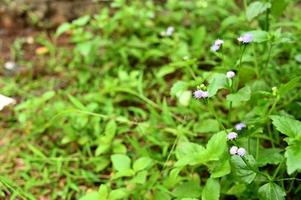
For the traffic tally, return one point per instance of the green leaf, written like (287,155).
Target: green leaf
(269,156)
(189,153)
(216,146)
(184,98)
(237,189)
(140,177)
(244,94)
(163,71)
(62,28)
(142,163)
(160,195)
(289,86)
(207,126)
(103,192)
(173,178)
(123,173)
(278,7)
(185,148)
(76,102)
(94,195)
(110,129)
(286,125)
(241,170)
(211,190)
(259,36)
(120,193)
(216,82)
(194,154)
(178,87)
(220,168)
(256,8)
(190,189)
(271,191)
(121,162)
(81,21)
(103,162)
(102,148)
(293,158)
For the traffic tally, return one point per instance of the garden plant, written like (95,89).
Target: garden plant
(157,100)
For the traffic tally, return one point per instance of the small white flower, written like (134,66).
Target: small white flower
(214,48)
(10,65)
(217,45)
(199,94)
(169,30)
(219,42)
(240,39)
(232,136)
(246,38)
(230,74)
(233,150)
(205,94)
(241,152)
(5,101)
(240,126)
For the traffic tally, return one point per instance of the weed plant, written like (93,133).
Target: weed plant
(178,100)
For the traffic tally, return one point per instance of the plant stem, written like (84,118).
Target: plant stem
(211,109)
(256,170)
(245,4)
(267,20)
(171,151)
(257,147)
(269,123)
(249,145)
(277,169)
(236,82)
(256,63)
(241,55)
(269,56)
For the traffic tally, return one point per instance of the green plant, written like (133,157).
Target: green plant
(154,108)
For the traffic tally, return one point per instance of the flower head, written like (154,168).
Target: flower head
(232,136)
(5,101)
(241,152)
(233,150)
(230,74)
(199,94)
(246,38)
(217,45)
(10,65)
(218,42)
(240,126)
(214,48)
(169,30)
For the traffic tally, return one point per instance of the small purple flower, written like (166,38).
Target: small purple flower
(199,94)
(230,74)
(232,136)
(241,152)
(240,126)
(214,48)
(246,38)
(233,150)
(205,94)
(217,45)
